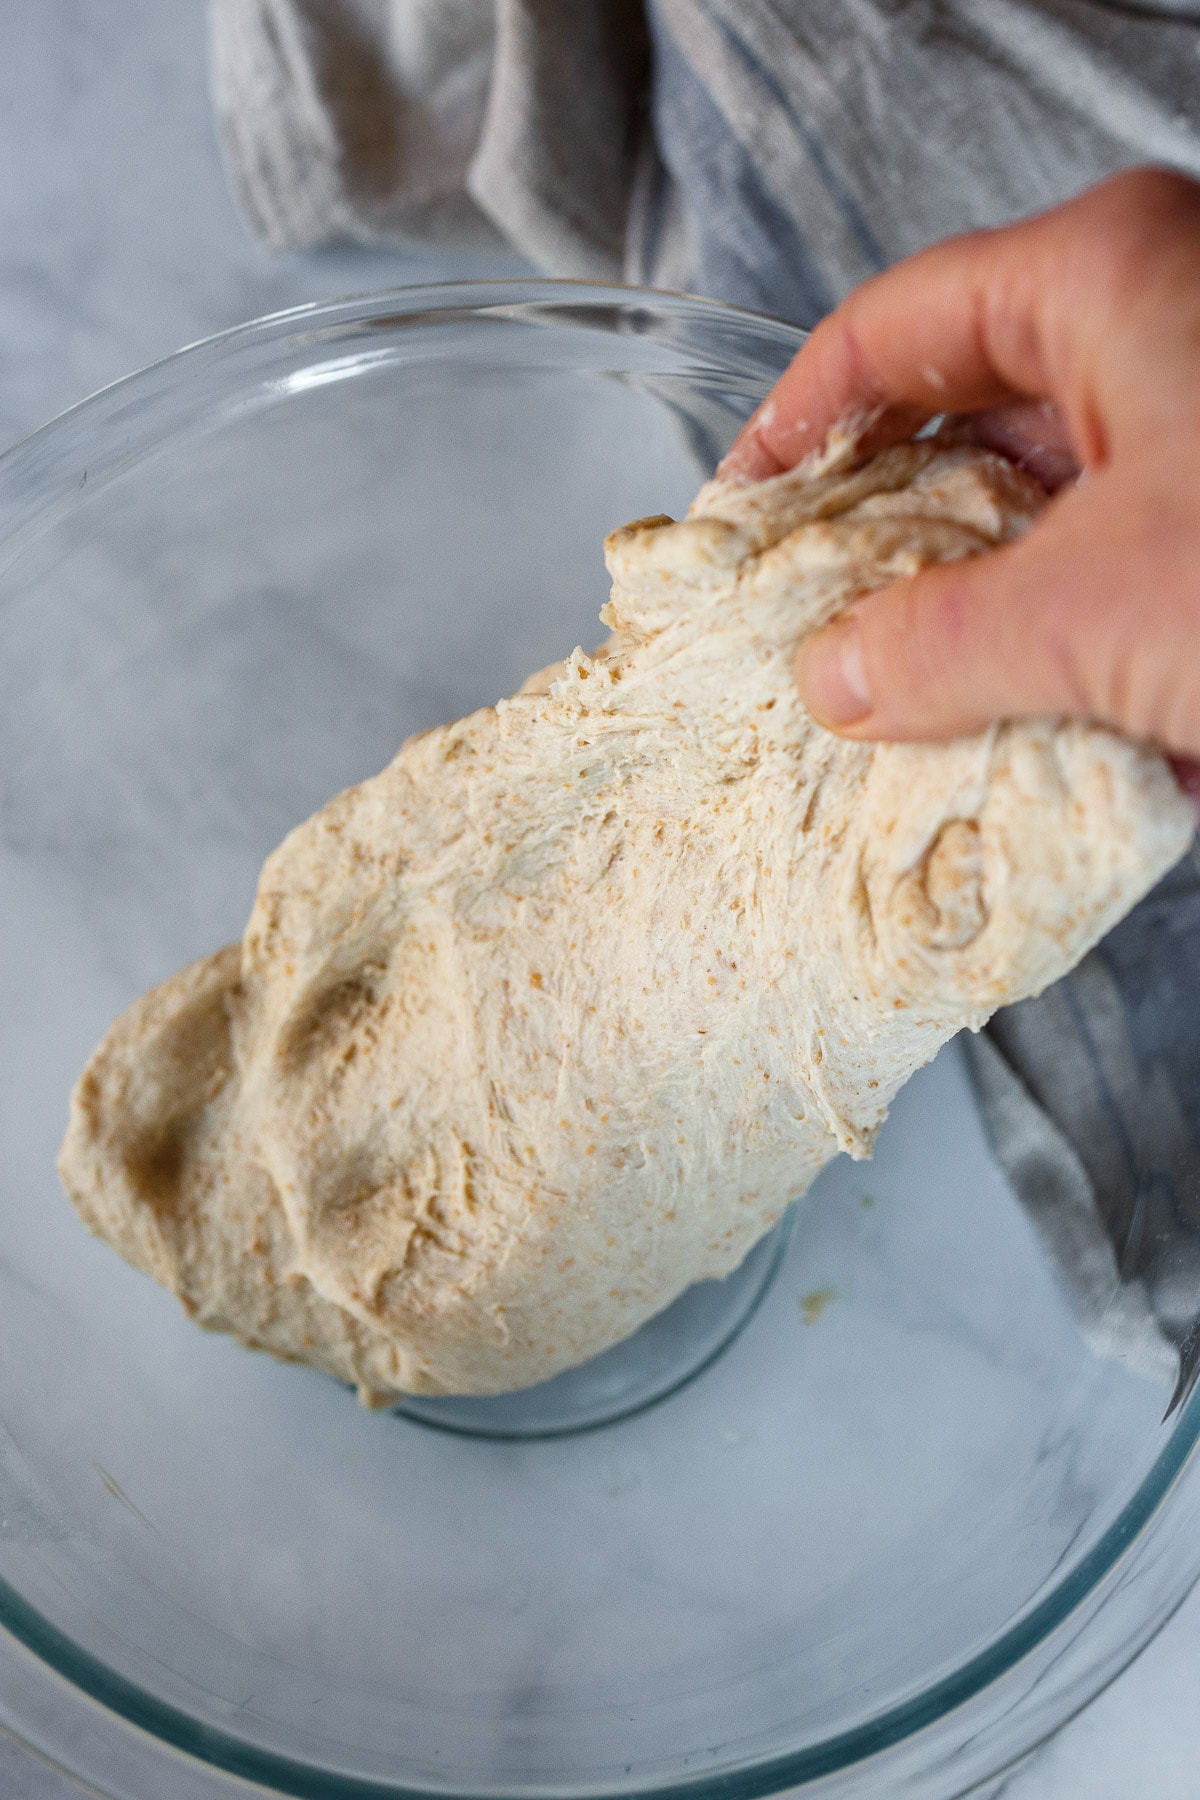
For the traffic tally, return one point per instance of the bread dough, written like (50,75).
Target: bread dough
(557,1014)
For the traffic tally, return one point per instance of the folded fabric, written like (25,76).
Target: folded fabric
(768,152)
(453,121)
(1091,1099)
(774,153)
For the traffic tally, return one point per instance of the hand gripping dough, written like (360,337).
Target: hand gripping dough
(557,1014)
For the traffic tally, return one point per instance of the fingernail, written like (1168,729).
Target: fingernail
(748,458)
(831,676)
(747,461)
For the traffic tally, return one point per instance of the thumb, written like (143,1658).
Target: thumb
(1050,624)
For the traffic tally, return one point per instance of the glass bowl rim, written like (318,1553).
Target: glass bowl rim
(485,296)
(37,455)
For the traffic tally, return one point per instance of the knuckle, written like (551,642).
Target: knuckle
(921,636)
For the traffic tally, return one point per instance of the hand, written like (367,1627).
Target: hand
(1073,341)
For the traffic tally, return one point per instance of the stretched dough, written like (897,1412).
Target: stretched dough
(556,1014)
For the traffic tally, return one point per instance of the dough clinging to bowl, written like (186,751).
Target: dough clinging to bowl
(556,1014)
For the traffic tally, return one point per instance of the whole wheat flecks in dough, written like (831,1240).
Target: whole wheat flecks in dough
(556,1014)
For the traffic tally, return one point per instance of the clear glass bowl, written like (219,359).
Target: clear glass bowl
(894,1533)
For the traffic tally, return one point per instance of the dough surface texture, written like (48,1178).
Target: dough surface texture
(556,1014)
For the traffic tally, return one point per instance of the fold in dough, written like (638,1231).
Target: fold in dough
(557,1014)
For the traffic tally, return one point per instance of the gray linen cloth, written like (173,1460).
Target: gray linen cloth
(774,153)
(768,152)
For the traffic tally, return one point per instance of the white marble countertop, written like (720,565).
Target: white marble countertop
(119,243)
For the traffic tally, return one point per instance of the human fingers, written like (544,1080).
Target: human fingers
(1089,305)
(1043,626)
(882,360)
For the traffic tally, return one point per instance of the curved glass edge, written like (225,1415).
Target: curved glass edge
(102,437)
(844,1754)
(524,300)
(671,1385)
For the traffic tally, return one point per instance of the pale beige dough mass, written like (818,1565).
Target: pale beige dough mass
(556,1014)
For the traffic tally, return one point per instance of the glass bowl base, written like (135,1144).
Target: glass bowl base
(668,1351)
